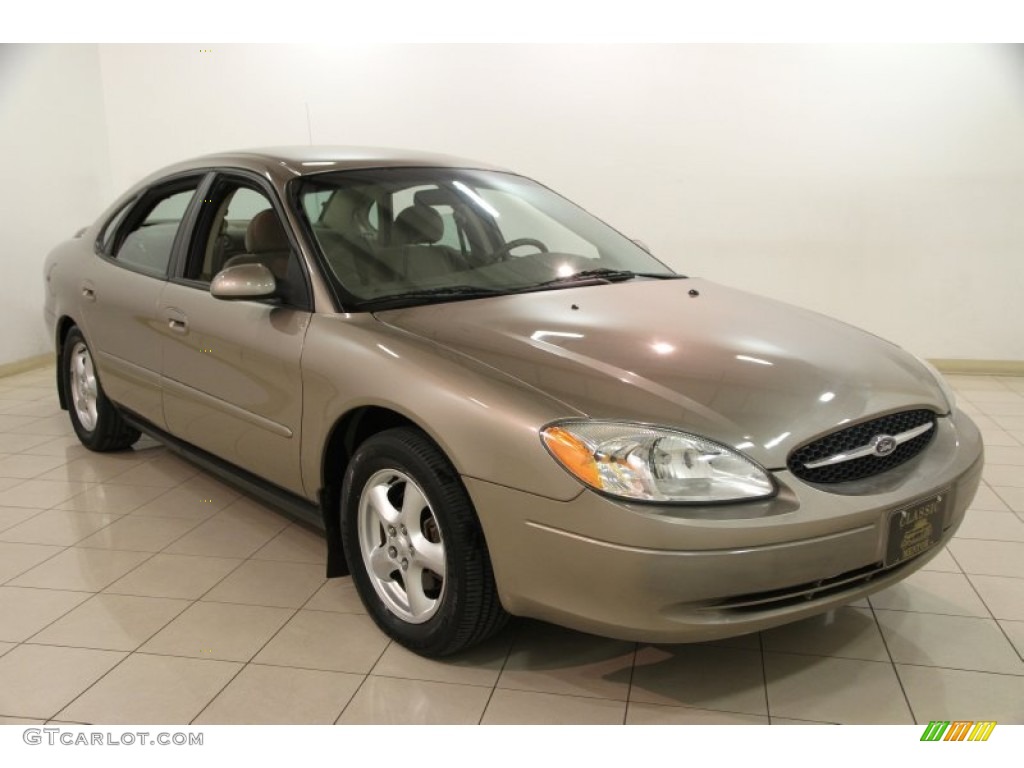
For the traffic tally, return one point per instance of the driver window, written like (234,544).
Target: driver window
(240,226)
(228,236)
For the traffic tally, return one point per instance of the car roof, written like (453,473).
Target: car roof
(291,161)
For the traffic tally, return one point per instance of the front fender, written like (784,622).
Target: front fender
(485,421)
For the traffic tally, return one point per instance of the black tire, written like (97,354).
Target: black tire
(109,432)
(468,609)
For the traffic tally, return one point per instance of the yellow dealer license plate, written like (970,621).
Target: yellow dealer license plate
(914,529)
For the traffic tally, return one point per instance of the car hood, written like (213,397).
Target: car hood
(753,373)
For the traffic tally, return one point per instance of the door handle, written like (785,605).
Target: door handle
(88,292)
(176,320)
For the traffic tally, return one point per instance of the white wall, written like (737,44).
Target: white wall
(55,174)
(882,185)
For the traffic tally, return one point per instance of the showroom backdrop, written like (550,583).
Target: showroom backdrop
(883,185)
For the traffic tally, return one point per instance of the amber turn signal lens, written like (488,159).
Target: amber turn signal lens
(574,455)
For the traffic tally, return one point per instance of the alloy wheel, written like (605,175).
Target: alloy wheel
(84,388)
(401,545)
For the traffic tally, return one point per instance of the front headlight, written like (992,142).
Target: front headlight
(645,463)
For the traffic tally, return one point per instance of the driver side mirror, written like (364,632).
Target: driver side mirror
(244,281)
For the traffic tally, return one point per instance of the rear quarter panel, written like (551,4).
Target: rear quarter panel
(62,277)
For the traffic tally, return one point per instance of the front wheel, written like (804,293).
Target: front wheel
(415,546)
(94,418)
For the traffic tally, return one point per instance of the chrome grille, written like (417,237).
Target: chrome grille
(854,438)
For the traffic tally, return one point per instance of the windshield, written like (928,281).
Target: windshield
(401,236)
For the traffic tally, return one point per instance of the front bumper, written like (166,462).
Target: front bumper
(681,574)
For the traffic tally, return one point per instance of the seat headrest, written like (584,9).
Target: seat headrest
(265,233)
(340,211)
(419,225)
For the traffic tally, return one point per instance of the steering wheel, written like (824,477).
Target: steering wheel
(505,251)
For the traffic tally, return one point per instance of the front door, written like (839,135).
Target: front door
(232,382)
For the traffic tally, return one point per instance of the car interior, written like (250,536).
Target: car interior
(425,240)
(245,229)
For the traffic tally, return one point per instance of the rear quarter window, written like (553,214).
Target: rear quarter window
(105,242)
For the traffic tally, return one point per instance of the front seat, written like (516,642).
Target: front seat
(265,243)
(417,231)
(418,225)
(347,240)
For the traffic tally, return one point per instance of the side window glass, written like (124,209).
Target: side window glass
(147,247)
(239,225)
(233,235)
(106,238)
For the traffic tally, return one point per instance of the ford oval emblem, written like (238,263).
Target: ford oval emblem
(884,445)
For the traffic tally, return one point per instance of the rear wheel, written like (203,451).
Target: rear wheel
(95,419)
(415,546)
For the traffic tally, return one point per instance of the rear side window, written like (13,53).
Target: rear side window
(148,242)
(106,239)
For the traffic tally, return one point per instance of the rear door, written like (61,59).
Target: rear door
(121,290)
(232,382)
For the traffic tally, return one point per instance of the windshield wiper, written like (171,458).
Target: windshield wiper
(457,292)
(603,274)
(443,293)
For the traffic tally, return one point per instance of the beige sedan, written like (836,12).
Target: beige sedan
(493,403)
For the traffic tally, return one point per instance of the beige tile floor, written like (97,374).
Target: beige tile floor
(135,588)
